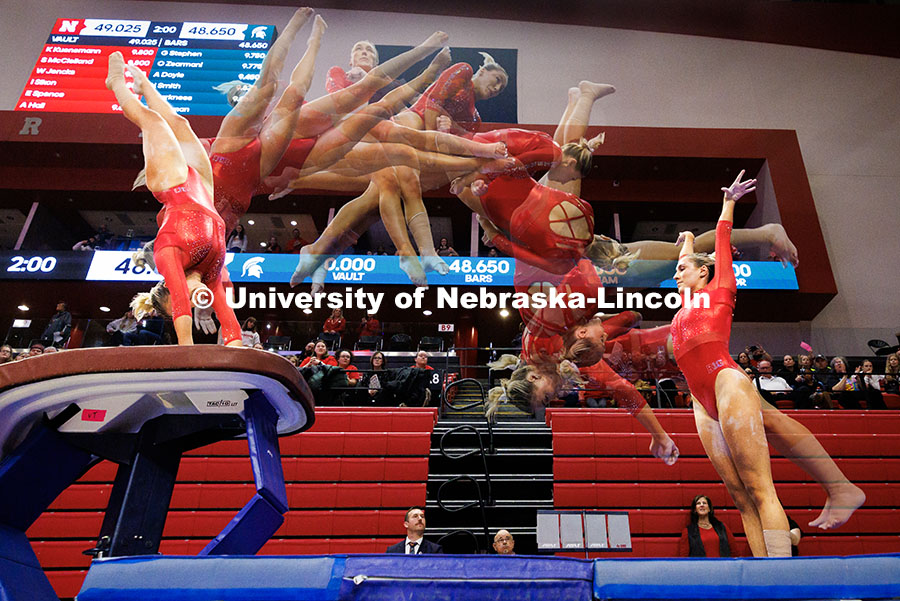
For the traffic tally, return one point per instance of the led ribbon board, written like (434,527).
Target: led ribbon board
(362,270)
(184,60)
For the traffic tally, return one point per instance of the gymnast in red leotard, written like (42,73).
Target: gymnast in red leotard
(726,404)
(191,246)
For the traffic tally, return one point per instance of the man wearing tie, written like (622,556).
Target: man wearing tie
(415,544)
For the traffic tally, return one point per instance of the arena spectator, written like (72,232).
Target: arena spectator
(743,359)
(493,253)
(272,245)
(788,371)
(415,543)
(117,328)
(6,354)
(59,328)
(308,350)
(345,362)
(36,349)
(772,388)
(841,385)
(320,356)
(870,384)
(372,380)
(821,368)
(102,237)
(803,362)
(422,360)
(149,332)
(705,535)
(808,392)
(237,240)
(892,374)
(296,242)
(445,250)
(504,543)
(757,353)
(50,350)
(86,245)
(249,335)
(370,326)
(336,324)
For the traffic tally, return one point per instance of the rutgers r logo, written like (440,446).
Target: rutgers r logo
(31,125)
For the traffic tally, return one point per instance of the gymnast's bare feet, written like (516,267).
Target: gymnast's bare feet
(140,79)
(440,62)
(436,40)
(410,264)
(840,505)
(781,246)
(116,74)
(596,90)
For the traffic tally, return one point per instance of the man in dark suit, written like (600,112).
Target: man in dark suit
(415,544)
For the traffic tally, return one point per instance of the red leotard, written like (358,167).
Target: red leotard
(550,320)
(602,380)
(294,157)
(452,94)
(235,178)
(700,336)
(521,207)
(336,80)
(536,150)
(191,224)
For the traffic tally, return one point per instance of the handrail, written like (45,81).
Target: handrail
(480,502)
(446,402)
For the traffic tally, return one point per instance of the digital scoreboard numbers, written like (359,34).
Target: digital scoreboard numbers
(186,62)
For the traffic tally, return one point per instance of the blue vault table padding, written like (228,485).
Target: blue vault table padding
(856,577)
(211,578)
(465,577)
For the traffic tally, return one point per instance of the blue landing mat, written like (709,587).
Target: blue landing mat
(853,577)
(470,578)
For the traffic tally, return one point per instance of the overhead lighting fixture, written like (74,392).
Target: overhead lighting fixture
(426,312)
(104,309)
(307,311)
(263,244)
(504,313)
(268,326)
(293,222)
(251,222)
(23,307)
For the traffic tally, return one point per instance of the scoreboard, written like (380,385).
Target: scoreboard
(185,61)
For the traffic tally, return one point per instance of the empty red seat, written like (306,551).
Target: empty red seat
(67,524)
(309,495)
(83,496)
(402,495)
(66,583)
(358,495)
(408,443)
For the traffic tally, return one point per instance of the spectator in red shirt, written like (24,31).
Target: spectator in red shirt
(345,362)
(320,356)
(705,535)
(370,326)
(336,324)
(296,242)
(422,360)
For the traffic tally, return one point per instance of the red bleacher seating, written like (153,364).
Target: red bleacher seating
(349,480)
(601,461)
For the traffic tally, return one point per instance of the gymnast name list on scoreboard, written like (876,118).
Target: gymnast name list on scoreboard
(185,61)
